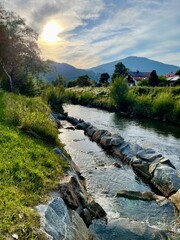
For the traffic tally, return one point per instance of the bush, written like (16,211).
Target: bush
(143,82)
(118,93)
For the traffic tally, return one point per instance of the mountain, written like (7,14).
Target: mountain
(133,63)
(137,63)
(68,71)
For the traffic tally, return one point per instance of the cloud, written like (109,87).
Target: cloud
(98,31)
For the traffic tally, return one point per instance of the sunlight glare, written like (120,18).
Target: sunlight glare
(51,31)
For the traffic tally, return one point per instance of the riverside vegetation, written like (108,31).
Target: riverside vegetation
(161,103)
(29,169)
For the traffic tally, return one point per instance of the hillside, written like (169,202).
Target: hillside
(137,63)
(142,64)
(69,72)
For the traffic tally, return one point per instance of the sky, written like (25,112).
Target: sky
(87,33)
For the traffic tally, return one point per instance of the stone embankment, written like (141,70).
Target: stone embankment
(71,210)
(147,163)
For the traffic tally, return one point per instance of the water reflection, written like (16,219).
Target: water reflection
(158,127)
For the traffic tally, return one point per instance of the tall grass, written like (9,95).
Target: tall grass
(31,114)
(163,106)
(150,102)
(142,106)
(55,97)
(28,167)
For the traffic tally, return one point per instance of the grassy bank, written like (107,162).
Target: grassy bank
(28,167)
(90,96)
(161,103)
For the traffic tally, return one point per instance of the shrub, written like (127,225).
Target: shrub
(118,93)
(143,82)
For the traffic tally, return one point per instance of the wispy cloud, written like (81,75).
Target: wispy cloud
(99,31)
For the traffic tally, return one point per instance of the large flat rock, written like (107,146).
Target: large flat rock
(61,225)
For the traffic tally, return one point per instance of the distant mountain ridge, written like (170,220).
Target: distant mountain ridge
(68,71)
(141,64)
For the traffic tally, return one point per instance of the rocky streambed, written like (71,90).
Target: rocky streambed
(133,191)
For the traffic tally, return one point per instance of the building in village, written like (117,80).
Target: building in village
(134,77)
(171,78)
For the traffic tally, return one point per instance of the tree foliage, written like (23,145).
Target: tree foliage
(163,81)
(143,82)
(176,83)
(83,80)
(177,72)
(153,79)
(59,81)
(120,70)
(104,78)
(19,49)
(71,84)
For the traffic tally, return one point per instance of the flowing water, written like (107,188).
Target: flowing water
(104,180)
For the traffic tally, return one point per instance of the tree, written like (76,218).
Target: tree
(153,79)
(83,80)
(120,70)
(20,52)
(59,81)
(71,84)
(177,72)
(176,83)
(104,78)
(163,81)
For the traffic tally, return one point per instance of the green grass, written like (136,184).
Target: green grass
(161,103)
(28,168)
(90,96)
(30,114)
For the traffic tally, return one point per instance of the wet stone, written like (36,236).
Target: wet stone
(148,154)
(166,179)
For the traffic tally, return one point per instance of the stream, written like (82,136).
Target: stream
(104,180)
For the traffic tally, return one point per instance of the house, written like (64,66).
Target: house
(171,78)
(134,77)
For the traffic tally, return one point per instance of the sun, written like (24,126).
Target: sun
(50,32)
